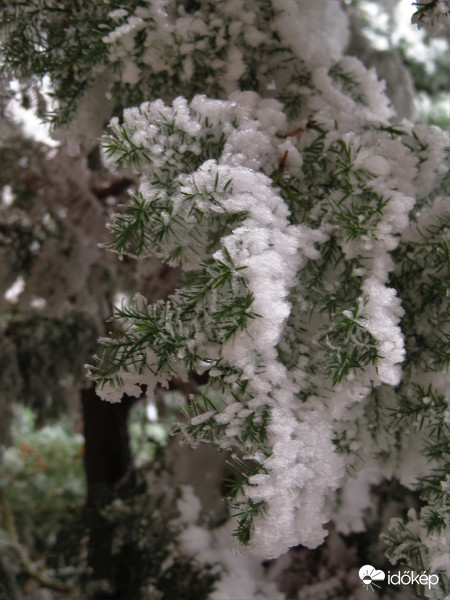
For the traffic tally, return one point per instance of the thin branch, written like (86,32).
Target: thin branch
(26,563)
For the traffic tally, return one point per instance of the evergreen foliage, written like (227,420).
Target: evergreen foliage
(311,230)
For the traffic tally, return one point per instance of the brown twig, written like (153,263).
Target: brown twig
(297,133)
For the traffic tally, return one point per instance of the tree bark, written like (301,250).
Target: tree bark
(108,462)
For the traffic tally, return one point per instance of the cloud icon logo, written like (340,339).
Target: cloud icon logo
(369,575)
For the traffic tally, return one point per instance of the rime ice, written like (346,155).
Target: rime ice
(292,230)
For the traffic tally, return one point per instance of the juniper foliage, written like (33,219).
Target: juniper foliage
(312,230)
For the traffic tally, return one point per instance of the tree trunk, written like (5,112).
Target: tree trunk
(108,462)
